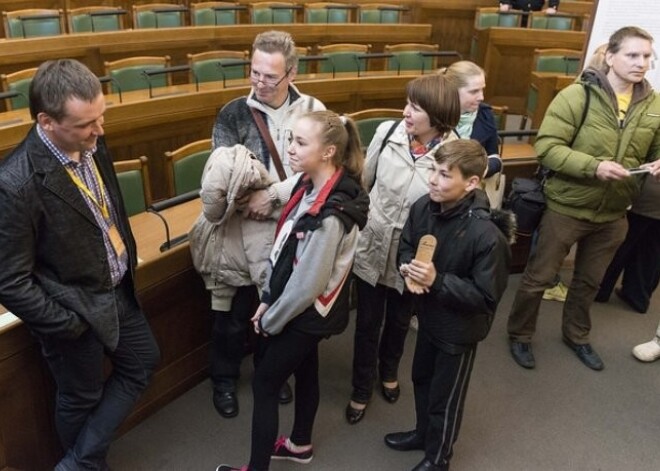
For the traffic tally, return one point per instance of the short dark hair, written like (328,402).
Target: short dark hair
(466,154)
(56,82)
(438,97)
(617,38)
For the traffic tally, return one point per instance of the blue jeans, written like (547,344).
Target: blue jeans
(89,408)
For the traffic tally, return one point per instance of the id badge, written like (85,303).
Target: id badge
(116,241)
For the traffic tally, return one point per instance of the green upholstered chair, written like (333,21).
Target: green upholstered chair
(342,57)
(17,82)
(380,13)
(185,165)
(500,113)
(127,73)
(273,12)
(32,23)
(216,66)
(559,61)
(492,17)
(540,20)
(95,19)
(304,67)
(159,15)
(133,177)
(367,121)
(215,13)
(327,12)
(409,57)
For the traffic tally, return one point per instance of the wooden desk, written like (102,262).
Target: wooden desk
(547,85)
(507,55)
(175,303)
(94,48)
(143,126)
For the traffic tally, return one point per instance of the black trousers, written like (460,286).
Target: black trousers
(373,350)
(290,352)
(639,260)
(88,407)
(228,338)
(441,381)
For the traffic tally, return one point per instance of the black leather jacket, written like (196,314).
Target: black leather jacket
(55,275)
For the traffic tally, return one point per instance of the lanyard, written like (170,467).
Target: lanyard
(102,205)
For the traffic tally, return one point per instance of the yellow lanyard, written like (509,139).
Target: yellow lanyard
(103,205)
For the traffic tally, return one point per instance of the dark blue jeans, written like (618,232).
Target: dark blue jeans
(89,408)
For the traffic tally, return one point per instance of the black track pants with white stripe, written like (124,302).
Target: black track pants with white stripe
(441,382)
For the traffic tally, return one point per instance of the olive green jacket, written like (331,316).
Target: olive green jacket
(573,154)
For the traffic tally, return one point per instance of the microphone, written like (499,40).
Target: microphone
(114,82)
(155,209)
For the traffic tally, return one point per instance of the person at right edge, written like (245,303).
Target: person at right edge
(593,132)
(456,294)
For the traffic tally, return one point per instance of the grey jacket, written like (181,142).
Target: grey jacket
(55,275)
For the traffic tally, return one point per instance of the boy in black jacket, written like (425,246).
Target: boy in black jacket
(457,294)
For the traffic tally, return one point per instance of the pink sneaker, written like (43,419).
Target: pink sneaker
(283,451)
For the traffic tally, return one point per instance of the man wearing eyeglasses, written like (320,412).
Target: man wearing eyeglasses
(279,103)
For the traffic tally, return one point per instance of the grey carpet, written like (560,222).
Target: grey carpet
(560,416)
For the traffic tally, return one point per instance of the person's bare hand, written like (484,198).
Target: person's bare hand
(261,310)
(608,170)
(654,169)
(550,11)
(504,7)
(259,206)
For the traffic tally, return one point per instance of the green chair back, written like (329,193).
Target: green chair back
(188,172)
(131,78)
(552,22)
(340,62)
(379,16)
(532,100)
(557,64)
(22,86)
(410,60)
(489,20)
(211,17)
(211,71)
(367,129)
(132,191)
(273,16)
(155,19)
(85,23)
(34,27)
(326,15)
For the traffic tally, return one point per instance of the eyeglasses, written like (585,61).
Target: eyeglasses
(267,80)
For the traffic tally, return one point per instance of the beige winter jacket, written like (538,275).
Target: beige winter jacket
(395,181)
(229,250)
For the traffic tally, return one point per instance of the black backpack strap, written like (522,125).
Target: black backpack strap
(390,131)
(587,102)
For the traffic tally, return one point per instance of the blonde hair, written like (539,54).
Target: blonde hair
(459,73)
(341,132)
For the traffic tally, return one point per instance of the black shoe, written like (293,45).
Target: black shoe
(225,403)
(426,465)
(353,415)
(391,395)
(404,441)
(522,354)
(286,395)
(586,354)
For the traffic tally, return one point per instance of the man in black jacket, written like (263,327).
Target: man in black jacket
(68,262)
(457,294)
